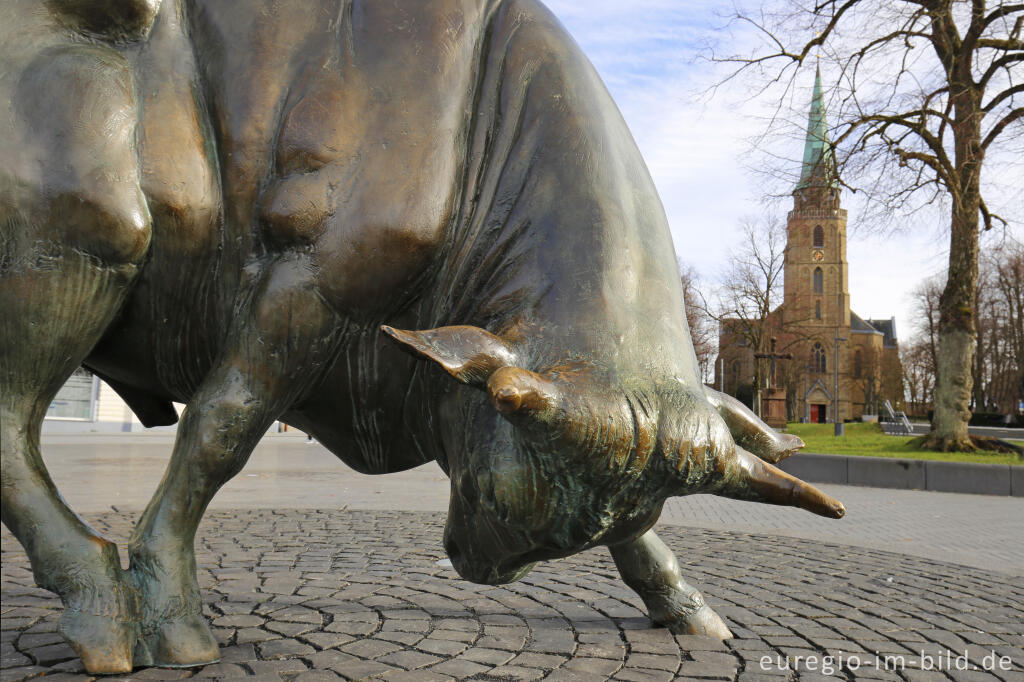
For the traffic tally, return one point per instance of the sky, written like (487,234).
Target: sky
(697,147)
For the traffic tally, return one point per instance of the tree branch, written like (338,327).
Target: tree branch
(1001,126)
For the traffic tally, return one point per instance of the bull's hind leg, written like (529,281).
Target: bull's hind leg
(648,566)
(278,343)
(71,235)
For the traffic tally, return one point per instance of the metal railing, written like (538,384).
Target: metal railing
(896,422)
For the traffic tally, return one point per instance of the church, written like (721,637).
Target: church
(841,366)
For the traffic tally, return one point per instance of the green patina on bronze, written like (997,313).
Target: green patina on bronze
(251,207)
(819,164)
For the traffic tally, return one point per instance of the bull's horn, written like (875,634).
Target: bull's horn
(470,354)
(749,478)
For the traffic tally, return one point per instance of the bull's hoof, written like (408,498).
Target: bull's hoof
(184,642)
(104,644)
(703,621)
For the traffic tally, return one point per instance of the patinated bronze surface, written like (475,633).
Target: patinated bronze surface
(225,203)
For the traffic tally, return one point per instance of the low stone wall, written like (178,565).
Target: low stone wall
(916,474)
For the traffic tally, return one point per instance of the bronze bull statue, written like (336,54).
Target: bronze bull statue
(226,203)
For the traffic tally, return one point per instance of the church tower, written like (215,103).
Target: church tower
(836,366)
(817,297)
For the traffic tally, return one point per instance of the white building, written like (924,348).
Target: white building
(85,403)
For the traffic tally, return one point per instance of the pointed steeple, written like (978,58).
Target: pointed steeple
(819,165)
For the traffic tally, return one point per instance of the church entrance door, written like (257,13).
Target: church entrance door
(818,414)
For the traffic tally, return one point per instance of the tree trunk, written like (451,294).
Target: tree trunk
(957,330)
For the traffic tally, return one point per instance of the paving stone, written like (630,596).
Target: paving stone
(487,656)
(333,659)
(407,638)
(409,660)
(567,675)
(516,673)
(238,621)
(54,653)
(156,674)
(924,676)
(415,676)
(460,668)
(239,653)
(453,635)
(536,660)
(364,669)
(369,648)
(316,676)
(221,670)
(701,643)
(11,658)
(441,647)
(715,658)
(284,648)
(287,629)
(249,635)
(33,640)
(594,666)
(354,628)
(706,670)
(643,675)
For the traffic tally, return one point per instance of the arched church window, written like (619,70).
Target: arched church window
(818,359)
(817,310)
(819,281)
(858,364)
(819,237)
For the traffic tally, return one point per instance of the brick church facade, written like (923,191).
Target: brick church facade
(816,310)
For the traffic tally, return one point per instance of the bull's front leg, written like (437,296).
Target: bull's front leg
(648,566)
(279,342)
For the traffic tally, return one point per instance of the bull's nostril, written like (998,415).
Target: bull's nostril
(452,549)
(507,399)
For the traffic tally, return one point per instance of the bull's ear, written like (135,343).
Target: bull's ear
(470,354)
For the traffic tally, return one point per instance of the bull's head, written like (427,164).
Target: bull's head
(548,461)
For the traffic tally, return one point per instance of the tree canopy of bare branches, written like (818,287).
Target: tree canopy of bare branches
(703,330)
(926,91)
(999,358)
(751,288)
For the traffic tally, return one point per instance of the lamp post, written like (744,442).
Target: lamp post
(839,430)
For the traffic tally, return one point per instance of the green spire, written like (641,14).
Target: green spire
(819,167)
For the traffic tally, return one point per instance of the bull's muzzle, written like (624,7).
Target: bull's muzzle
(481,570)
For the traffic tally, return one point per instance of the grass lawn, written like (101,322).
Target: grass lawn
(868,440)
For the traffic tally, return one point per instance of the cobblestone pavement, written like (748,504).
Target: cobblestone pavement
(317,595)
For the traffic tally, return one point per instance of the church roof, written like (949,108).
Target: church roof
(858,324)
(819,165)
(888,328)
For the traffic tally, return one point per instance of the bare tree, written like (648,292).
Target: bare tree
(868,374)
(1009,282)
(918,376)
(926,88)
(999,358)
(702,326)
(926,298)
(751,290)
